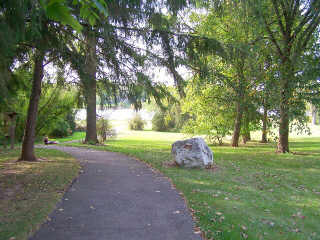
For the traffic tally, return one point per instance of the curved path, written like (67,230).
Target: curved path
(117,198)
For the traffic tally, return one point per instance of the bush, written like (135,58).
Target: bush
(81,126)
(61,129)
(170,120)
(136,123)
(104,129)
(159,122)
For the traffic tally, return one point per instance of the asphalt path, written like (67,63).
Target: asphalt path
(117,197)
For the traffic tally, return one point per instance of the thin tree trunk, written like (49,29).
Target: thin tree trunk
(239,105)
(246,136)
(237,125)
(6,131)
(12,129)
(246,129)
(264,125)
(283,144)
(285,92)
(90,87)
(314,114)
(27,153)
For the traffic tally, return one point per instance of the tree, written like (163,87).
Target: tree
(290,26)
(222,54)
(210,109)
(40,39)
(110,58)
(41,36)
(89,83)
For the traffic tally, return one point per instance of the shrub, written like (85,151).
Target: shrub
(104,129)
(81,126)
(159,122)
(61,129)
(136,123)
(171,119)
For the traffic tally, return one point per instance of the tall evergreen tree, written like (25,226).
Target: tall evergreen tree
(118,61)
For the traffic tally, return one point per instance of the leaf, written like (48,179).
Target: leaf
(57,11)
(92,20)
(84,11)
(102,9)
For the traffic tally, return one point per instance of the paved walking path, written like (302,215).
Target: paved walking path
(117,198)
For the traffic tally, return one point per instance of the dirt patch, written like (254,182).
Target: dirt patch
(169,164)
(305,153)
(172,164)
(213,168)
(8,193)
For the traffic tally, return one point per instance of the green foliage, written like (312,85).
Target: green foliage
(211,112)
(60,11)
(168,116)
(226,62)
(57,10)
(56,111)
(136,123)
(56,108)
(159,123)
(104,129)
(60,128)
(169,119)
(76,136)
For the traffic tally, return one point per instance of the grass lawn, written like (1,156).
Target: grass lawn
(253,193)
(73,137)
(30,191)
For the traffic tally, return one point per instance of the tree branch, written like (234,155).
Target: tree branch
(279,17)
(274,41)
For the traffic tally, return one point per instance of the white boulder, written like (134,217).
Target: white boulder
(193,152)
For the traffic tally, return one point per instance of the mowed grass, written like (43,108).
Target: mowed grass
(75,136)
(252,193)
(30,191)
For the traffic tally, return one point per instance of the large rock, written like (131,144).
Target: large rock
(192,153)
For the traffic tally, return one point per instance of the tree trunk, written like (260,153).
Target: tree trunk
(5,130)
(246,137)
(89,83)
(12,129)
(285,93)
(237,125)
(91,132)
(314,115)
(246,128)
(27,153)
(239,105)
(264,125)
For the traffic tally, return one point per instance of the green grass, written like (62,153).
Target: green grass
(253,193)
(30,191)
(73,137)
